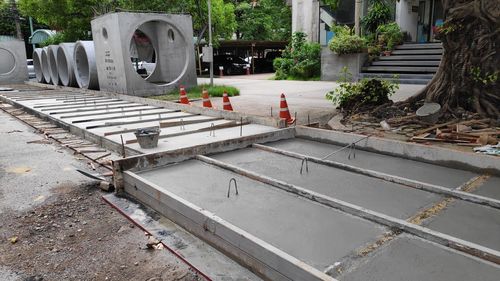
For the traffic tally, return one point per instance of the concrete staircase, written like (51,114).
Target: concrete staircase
(413,63)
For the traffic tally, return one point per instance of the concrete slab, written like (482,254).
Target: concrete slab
(169,131)
(475,223)
(412,259)
(410,169)
(119,115)
(116,129)
(301,228)
(204,138)
(28,171)
(374,194)
(491,188)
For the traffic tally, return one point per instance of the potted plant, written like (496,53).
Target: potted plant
(345,49)
(389,48)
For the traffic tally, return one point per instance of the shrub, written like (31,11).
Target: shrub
(300,60)
(379,13)
(54,40)
(350,96)
(347,44)
(391,34)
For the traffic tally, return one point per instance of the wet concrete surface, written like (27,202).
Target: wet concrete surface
(374,194)
(410,169)
(490,188)
(412,259)
(472,222)
(29,170)
(311,232)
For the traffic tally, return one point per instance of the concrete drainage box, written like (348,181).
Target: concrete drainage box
(144,54)
(13,68)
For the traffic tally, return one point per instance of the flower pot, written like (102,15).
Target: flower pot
(387,53)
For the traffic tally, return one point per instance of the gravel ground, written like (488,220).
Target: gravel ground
(68,232)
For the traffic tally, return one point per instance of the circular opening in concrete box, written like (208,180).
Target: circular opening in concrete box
(142,54)
(104,33)
(159,52)
(8,61)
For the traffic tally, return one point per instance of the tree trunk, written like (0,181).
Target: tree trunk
(468,75)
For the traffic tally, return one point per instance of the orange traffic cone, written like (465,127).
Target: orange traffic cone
(226,104)
(183,96)
(284,112)
(206,99)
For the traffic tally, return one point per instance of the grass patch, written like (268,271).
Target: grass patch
(195,92)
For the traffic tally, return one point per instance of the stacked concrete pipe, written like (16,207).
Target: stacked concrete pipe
(37,64)
(65,63)
(45,65)
(52,53)
(85,65)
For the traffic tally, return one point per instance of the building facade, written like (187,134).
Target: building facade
(417,18)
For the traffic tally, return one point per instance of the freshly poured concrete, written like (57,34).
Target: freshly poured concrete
(311,232)
(414,170)
(378,195)
(491,188)
(472,222)
(412,259)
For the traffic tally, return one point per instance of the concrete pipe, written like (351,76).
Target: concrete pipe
(37,64)
(52,53)
(45,65)
(85,66)
(65,64)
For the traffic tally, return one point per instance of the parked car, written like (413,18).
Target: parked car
(264,65)
(231,64)
(31,69)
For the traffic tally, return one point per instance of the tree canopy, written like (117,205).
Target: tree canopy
(264,20)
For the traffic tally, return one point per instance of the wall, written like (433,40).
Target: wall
(305,18)
(407,19)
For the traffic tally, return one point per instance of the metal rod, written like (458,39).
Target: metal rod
(271,111)
(347,146)
(304,160)
(123,146)
(235,186)
(241,126)
(212,129)
(295,121)
(183,127)
(209,5)
(308,120)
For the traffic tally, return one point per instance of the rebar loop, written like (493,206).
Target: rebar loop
(235,186)
(304,160)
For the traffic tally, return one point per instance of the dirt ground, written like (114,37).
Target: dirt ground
(75,235)
(54,225)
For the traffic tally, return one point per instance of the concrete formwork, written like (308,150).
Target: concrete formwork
(13,68)
(65,61)
(37,64)
(84,63)
(338,218)
(116,42)
(52,62)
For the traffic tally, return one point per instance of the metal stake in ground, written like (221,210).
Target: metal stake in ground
(123,146)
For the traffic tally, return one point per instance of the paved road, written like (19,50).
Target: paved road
(257,96)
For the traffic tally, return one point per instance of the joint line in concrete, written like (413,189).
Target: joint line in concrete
(355,210)
(390,178)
